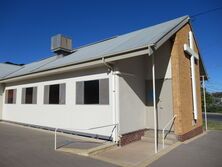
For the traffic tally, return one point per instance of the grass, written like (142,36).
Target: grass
(213,109)
(213,125)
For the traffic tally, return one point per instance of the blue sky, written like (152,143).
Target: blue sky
(27,25)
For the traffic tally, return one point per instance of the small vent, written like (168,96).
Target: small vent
(61,45)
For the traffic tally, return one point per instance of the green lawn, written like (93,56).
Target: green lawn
(213,125)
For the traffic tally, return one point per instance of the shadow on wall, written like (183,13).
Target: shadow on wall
(162,60)
(138,72)
(2,87)
(133,75)
(162,84)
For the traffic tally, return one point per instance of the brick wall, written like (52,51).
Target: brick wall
(131,137)
(182,87)
(190,134)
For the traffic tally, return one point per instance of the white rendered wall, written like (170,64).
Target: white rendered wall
(164,91)
(1,100)
(133,112)
(68,116)
(162,63)
(132,95)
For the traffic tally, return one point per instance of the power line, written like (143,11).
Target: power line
(205,12)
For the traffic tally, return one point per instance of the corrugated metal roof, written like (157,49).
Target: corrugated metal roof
(133,40)
(6,69)
(32,67)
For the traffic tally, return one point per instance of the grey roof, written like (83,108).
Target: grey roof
(6,69)
(118,44)
(32,67)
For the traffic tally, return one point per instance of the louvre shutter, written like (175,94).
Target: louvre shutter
(46,94)
(62,93)
(104,91)
(14,96)
(80,92)
(6,97)
(23,95)
(34,95)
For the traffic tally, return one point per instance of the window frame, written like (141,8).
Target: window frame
(62,94)
(34,93)
(14,96)
(82,94)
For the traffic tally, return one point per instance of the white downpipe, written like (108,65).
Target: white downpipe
(117,108)
(154,103)
(193,76)
(205,104)
(115,91)
(55,139)
(114,104)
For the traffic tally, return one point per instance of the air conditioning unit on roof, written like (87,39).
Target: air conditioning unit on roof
(61,45)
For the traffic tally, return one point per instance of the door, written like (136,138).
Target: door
(163,100)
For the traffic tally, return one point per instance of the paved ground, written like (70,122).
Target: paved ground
(132,154)
(23,147)
(205,151)
(214,116)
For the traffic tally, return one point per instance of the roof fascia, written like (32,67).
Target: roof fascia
(169,34)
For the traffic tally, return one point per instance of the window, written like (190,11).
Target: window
(29,95)
(54,94)
(10,96)
(92,92)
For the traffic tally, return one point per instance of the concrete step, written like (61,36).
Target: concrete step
(91,151)
(151,140)
(102,148)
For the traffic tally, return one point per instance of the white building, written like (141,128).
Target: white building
(110,84)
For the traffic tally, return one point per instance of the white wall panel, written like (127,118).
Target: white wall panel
(68,116)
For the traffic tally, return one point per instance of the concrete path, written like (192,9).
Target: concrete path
(135,154)
(205,151)
(130,155)
(25,147)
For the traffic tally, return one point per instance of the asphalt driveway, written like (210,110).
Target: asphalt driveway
(24,147)
(214,116)
(205,151)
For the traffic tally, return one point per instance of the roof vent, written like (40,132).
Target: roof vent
(61,45)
